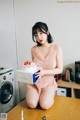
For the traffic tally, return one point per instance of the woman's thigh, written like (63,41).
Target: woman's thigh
(32,96)
(47,97)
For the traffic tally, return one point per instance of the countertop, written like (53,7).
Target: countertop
(64,108)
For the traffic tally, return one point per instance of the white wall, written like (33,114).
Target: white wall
(7,35)
(8,55)
(63,20)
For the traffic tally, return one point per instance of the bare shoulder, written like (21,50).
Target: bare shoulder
(33,48)
(57,46)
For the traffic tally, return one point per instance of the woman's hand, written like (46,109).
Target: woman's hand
(41,73)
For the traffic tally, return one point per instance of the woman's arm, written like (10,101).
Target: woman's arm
(32,52)
(59,64)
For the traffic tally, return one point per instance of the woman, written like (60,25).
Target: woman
(48,56)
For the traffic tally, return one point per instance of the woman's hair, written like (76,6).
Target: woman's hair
(40,26)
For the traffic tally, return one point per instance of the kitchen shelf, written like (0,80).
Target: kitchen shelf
(75,87)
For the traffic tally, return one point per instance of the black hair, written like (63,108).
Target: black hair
(40,26)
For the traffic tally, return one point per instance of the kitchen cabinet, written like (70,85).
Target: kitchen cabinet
(72,86)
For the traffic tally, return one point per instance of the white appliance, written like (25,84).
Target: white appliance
(7,89)
(61,91)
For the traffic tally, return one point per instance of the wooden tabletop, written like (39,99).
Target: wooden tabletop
(64,108)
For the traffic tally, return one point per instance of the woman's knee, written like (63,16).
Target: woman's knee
(46,104)
(31,104)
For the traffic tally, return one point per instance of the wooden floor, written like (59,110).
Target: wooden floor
(64,108)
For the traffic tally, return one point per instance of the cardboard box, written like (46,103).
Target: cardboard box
(26,77)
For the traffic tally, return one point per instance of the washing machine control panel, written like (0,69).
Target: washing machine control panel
(4,77)
(7,75)
(5,70)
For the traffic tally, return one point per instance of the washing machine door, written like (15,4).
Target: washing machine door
(6,92)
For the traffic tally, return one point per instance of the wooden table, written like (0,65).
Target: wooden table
(64,108)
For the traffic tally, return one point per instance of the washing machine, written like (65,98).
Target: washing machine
(7,89)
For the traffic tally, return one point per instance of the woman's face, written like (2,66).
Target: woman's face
(41,37)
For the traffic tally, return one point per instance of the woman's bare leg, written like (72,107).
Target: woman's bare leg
(32,96)
(47,97)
